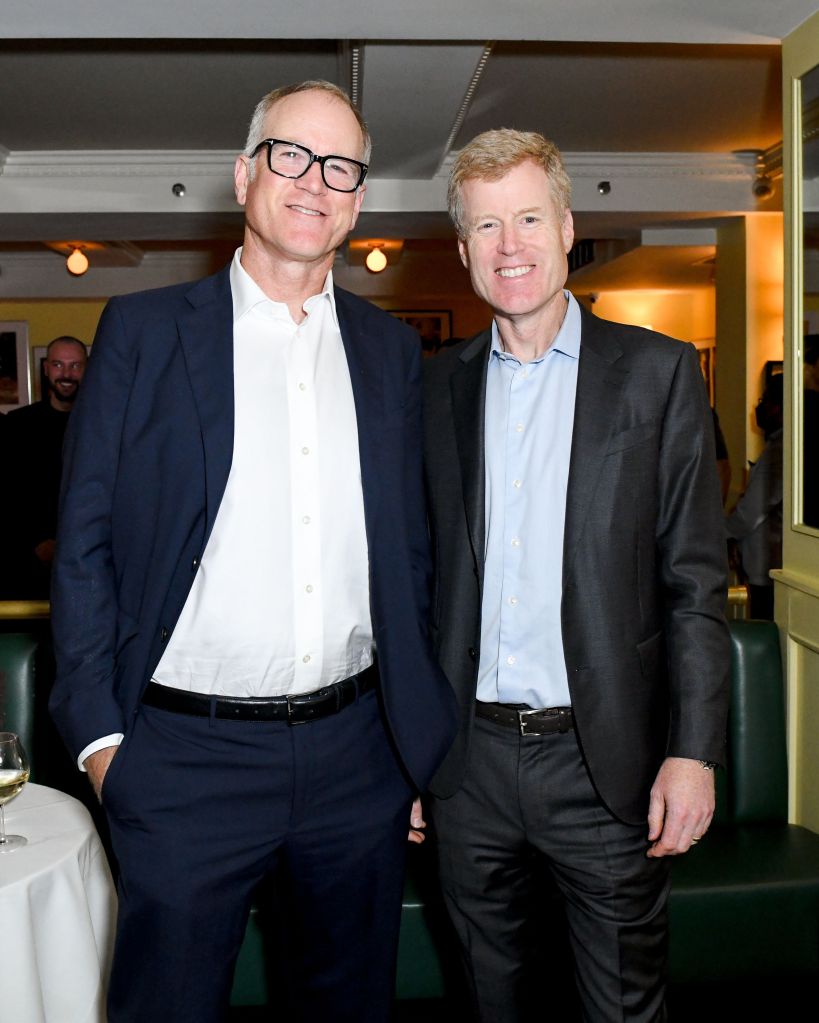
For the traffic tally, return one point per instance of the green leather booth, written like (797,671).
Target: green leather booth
(744,903)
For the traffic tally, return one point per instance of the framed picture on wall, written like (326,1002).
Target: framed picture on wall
(15,378)
(433,325)
(38,382)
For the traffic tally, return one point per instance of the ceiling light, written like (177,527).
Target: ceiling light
(77,262)
(376,260)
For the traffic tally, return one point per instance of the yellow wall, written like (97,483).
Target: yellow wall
(749,319)
(47,320)
(687,315)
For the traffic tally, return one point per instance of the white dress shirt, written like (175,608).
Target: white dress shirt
(281,600)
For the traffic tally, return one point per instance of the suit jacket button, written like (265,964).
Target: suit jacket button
(194,564)
(472,653)
(163,635)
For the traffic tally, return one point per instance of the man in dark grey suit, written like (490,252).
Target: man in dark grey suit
(578,608)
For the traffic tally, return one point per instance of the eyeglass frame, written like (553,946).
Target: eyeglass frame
(320,160)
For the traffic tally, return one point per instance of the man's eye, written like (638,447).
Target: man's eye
(339,168)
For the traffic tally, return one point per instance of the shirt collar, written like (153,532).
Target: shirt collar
(247,294)
(567,340)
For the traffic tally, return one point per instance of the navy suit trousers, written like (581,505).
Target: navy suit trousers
(202,810)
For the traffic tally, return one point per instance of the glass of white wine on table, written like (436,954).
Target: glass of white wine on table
(14,773)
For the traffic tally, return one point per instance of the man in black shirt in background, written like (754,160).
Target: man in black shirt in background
(33,442)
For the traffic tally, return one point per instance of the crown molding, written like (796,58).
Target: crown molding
(116,163)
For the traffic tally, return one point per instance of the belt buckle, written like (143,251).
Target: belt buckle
(523,716)
(291,703)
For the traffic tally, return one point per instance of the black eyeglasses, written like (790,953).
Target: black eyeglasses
(290,160)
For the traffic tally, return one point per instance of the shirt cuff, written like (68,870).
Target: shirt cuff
(107,740)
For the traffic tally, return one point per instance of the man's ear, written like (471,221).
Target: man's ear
(241,178)
(463,252)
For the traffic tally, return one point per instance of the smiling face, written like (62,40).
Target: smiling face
(64,368)
(299,223)
(516,246)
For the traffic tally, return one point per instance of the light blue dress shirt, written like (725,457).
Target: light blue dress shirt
(529,418)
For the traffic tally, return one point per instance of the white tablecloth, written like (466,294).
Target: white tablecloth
(57,913)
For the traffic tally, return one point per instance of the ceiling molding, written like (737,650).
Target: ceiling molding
(117,163)
(205,163)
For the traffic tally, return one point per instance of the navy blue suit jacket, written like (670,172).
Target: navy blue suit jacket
(147,458)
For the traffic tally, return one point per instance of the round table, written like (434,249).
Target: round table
(57,913)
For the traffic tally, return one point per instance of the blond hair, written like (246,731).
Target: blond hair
(490,155)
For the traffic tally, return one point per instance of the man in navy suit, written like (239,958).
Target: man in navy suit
(242,526)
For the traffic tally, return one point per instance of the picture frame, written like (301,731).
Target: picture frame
(434,326)
(15,375)
(39,354)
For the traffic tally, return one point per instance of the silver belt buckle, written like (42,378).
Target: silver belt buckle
(523,715)
(291,703)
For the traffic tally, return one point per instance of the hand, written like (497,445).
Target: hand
(97,767)
(45,551)
(681,806)
(416,821)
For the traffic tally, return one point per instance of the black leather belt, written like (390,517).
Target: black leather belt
(295,710)
(525,720)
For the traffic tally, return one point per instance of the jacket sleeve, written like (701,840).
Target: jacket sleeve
(84,594)
(693,571)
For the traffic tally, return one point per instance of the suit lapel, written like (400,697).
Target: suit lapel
(206,334)
(365,358)
(599,385)
(468,389)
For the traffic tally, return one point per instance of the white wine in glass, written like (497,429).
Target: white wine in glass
(13,776)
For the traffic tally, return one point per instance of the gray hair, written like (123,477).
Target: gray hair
(255,133)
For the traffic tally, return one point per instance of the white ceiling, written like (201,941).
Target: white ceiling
(103,107)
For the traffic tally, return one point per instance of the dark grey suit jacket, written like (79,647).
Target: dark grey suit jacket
(644,634)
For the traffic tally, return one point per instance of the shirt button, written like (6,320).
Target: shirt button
(306,658)
(517,484)
(513,601)
(306,520)
(302,387)
(515,541)
(305,451)
(309,588)
(519,428)
(511,659)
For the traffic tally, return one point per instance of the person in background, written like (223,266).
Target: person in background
(33,437)
(580,585)
(756,521)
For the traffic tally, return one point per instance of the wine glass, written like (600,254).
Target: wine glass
(13,776)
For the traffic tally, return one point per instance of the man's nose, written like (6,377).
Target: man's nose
(508,241)
(312,180)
